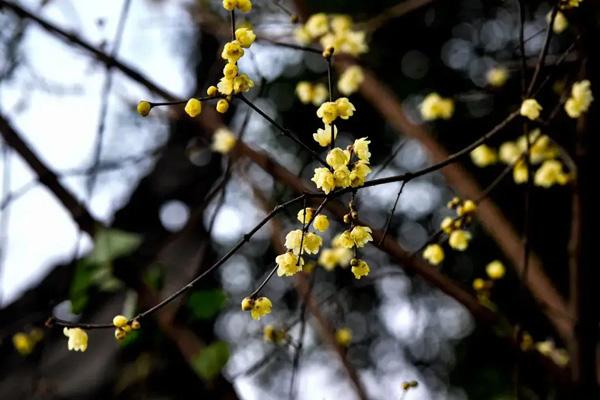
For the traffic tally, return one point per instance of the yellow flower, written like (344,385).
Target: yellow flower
(293,239)
(324,179)
(244,5)
(497,76)
(312,243)
(319,94)
(468,207)
(229,5)
(225,86)
(434,253)
(223,141)
(212,90)
(323,136)
(302,35)
(247,303)
(245,37)
(78,339)
(459,239)
(143,108)
(580,100)
(530,108)
(361,149)
(321,223)
(341,177)
(262,306)
(193,107)
(550,174)
(541,147)
(230,70)
(350,80)
(274,335)
(520,172)
(345,109)
(304,91)
(560,22)
(435,107)
(359,173)
(317,25)
(480,284)
(338,158)
(361,235)
(232,51)
(341,23)
(343,337)
(360,269)
(328,112)
(495,270)
(509,152)
(305,219)
(328,259)
(447,225)
(288,264)
(222,106)
(23,343)
(120,321)
(242,83)
(483,155)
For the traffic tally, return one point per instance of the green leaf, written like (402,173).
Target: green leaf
(205,304)
(211,360)
(113,243)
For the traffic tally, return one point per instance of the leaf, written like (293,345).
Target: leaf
(205,304)
(210,361)
(113,243)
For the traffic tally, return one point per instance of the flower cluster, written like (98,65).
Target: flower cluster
(25,342)
(348,168)
(258,307)
(495,270)
(350,80)
(123,326)
(435,107)
(337,255)
(530,108)
(335,31)
(580,99)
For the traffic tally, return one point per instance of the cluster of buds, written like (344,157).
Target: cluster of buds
(124,326)
(258,307)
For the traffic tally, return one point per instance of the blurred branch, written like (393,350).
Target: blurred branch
(48,178)
(396,11)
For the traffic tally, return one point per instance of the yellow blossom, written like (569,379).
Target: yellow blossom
(143,108)
(345,240)
(361,149)
(550,173)
(232,51)
(262,306)
(225,86)
(345,109)
(302,35)
(244,5)
(311,93)
(520,172)
(324,179)
(223,141)
(242,83)
(274,335)
(319,94)
(459,239)
(541,147)
(580,100)
(328,259)
(305,215)
(434,253)
(288,264)
(321,223)
(447,225)
(343,337)
(435,107)
(247,303)
(530,108)
(328,112)
(338,158)
(360,268)
(23,343)
(78,339)
(341,177)
(509,152)
(483,155)
(350,80)
(230,70)
(245,37)
(361,235)
(497,76)
(120,321)
(560,22)
(495,270)
(312,243)
(359,173)
(222,106)
(212,90)
(193,107)
(468,207)
(566,4)
(323,136)
(317,25)
(341,23)
(229,5)
(480,284)
(349,42)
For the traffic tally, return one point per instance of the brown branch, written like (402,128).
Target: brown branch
(49,179)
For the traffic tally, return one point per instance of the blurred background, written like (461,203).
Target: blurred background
(171,206)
